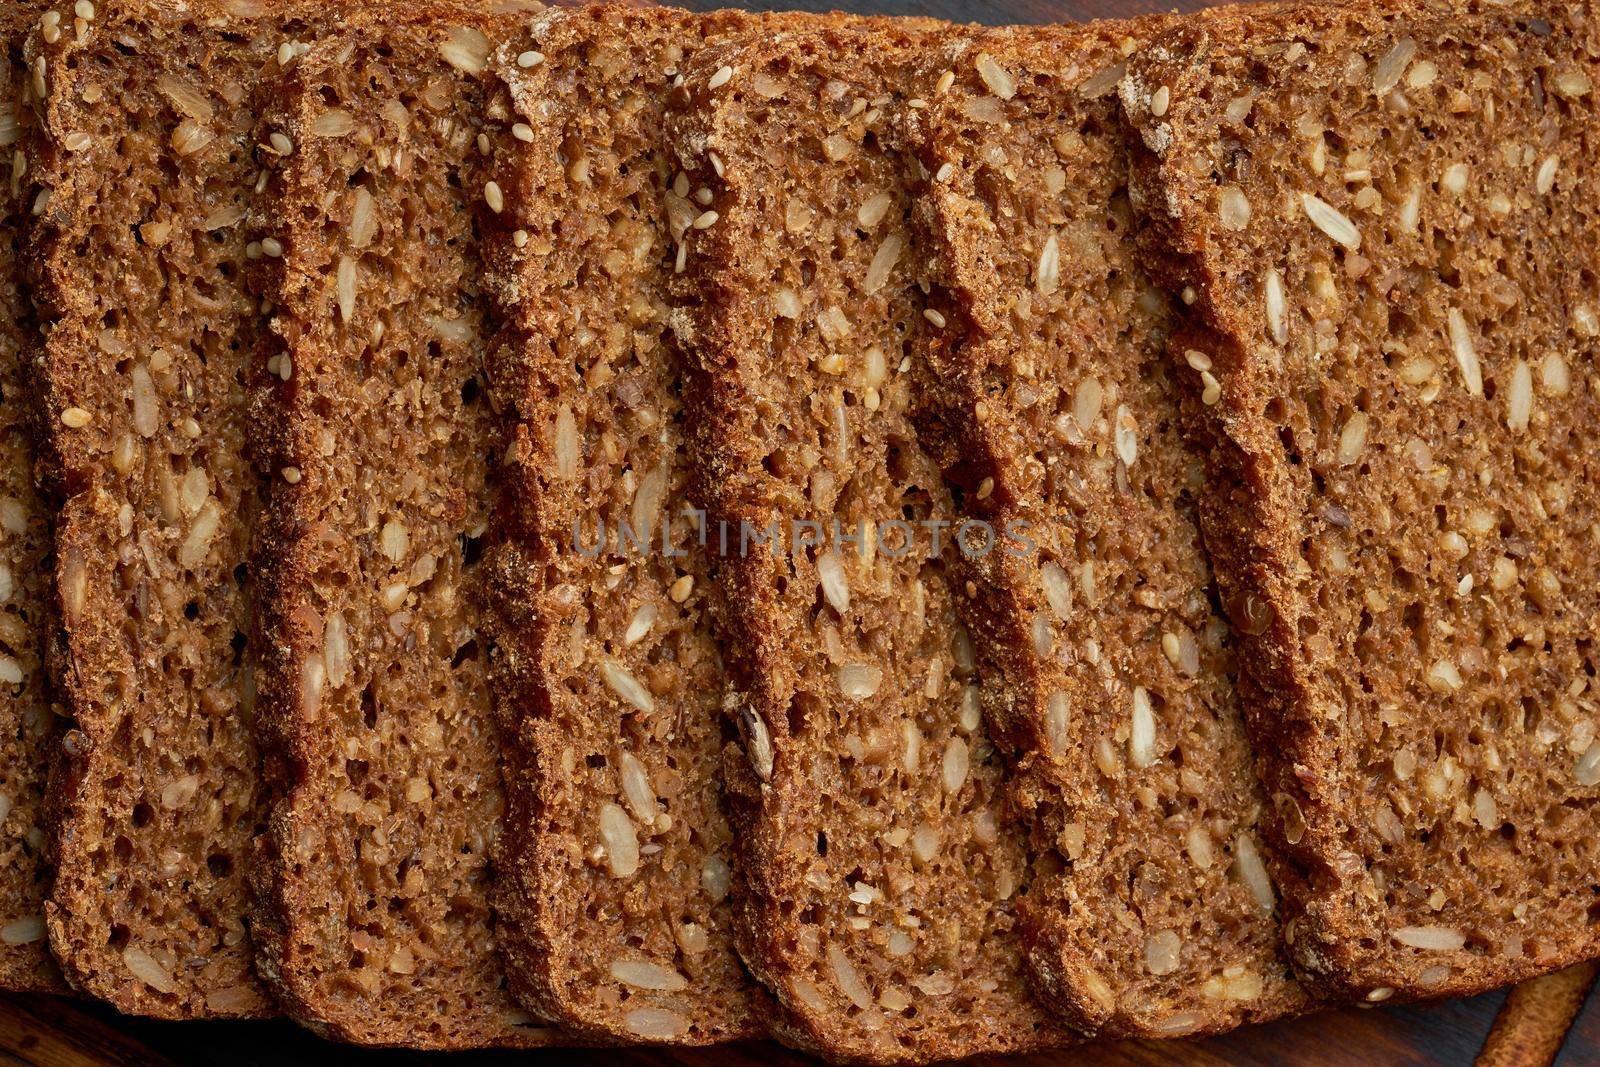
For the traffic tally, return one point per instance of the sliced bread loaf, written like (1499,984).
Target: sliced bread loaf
(880,871)
(26,719)
(1385,216)
(613,876)
(149,168)
(1104,666)
(380,752)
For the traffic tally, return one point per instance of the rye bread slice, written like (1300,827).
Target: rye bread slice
(879,870)
(1384,216)
(1105,665)
(149,170)
(380,750)
(614,874)
(27,720)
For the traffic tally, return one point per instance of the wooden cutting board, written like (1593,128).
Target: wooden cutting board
(1541,1022)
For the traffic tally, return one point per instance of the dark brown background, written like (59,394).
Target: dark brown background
(1526,1028)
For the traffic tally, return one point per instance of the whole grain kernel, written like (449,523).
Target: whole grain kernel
(1391,66)
(1142,734)
(1465,352)
(1234,208)
(620,839)
(859,681)
(1430,938)
(957,758)
(624,685)
(1353,438)
(995,77)
(1252,872)
(1331,221)
(1162,952)
(1047,272)
(1160,100)
(1277,317)
(1519,397)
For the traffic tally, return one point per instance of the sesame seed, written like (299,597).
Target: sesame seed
(681,589)
(706,220)
(1212,391)
(281,144)
(934,317)
(271,247)
(522,131)
(84,9)
(946,80)
(520,238)
(1159,101)
(530,58)
(944,172)
(494,197)
(291,475)
(75,418)
(722,77)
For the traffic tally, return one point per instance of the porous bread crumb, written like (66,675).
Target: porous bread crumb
(880,874)
(614,881)
(1399,508)
(1105,668)
(380,748)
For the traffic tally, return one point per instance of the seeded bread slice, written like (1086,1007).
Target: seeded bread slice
(880,870)
(381,753)
(614,875)
(1385,217)
(27,720)
(149,171)
(1106,668)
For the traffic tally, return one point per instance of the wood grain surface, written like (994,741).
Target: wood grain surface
(1550,1020)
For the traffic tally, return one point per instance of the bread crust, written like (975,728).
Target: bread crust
(1062,419)
(27,719)
(865,888)
(374,921)
(1418,775)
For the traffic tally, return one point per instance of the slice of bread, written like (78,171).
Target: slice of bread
(149,171)
(1104,664)
(1384,215)
(880,870)
(613,876)
(380,749)
(26,718)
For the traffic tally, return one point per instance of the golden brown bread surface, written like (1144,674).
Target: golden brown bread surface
(1385,216)
(26,718)
(1105,667)
(613,877)
(879,872)
(149,169)
(381,753)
